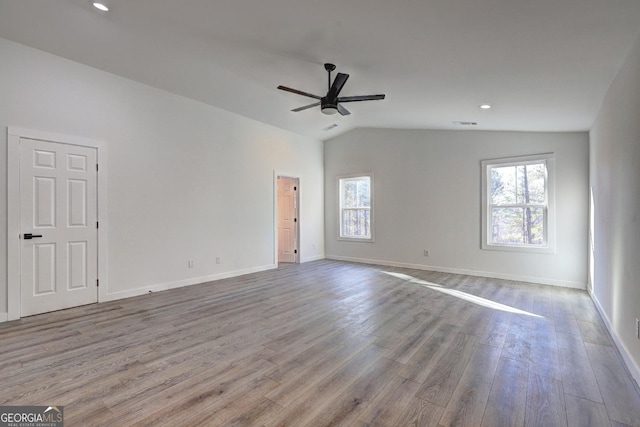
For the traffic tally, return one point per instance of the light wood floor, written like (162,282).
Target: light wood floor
(325,343)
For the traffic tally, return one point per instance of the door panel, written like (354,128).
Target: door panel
(77,271)
(58,192)
(45,266)
(44,209)
(44,159)
(77,196)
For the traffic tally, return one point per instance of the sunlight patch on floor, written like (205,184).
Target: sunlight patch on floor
(411,279)
(462,295)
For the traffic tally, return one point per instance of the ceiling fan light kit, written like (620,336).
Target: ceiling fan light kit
(101,5)
(330,103)
(329,109)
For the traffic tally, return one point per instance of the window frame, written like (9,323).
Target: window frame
(339,180)
(549,210)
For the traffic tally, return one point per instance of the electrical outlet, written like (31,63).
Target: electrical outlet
(637,328)
(190,263)
(218,260)
(427,252)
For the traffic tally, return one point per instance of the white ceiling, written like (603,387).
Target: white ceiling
(544,65)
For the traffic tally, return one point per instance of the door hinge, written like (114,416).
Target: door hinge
(295,219)
(98,282)
(295,188)
(96,167)
(295,251)
(97,224)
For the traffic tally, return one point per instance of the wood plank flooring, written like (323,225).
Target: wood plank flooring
(326,344)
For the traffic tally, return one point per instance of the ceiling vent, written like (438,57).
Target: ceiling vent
(465,123)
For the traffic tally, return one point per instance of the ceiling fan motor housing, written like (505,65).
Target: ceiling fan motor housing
(328,107)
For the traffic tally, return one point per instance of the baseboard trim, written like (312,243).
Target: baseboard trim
(478,273)
(631,365)
(113,296)
(4,317)
(312,258)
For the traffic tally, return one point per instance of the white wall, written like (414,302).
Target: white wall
(615,183)
(185,180)
(427,196)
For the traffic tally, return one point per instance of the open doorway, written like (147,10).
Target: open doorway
(288,224)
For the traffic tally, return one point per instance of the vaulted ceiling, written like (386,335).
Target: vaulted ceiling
(543,65)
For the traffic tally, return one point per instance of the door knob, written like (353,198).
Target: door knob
(29,236)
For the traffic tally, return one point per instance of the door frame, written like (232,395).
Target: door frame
(276,174)
(14,134)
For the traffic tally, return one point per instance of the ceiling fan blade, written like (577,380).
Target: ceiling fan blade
(315,104)
(298,92)
(343,110)
(360,98)
(337,85)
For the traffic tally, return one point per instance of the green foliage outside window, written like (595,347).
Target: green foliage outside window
(518,204)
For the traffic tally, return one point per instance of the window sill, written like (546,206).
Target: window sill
(356,239)
(523,249)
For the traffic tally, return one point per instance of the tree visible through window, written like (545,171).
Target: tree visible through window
(355,207)
(516,202)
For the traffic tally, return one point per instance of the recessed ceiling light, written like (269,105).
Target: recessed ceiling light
(485,106)
(100,6)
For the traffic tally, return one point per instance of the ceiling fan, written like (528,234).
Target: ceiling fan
(331,102)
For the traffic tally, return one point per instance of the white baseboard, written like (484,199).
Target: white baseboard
(312,258)
(112,296)
(4,317)
(634,369)
(492,275)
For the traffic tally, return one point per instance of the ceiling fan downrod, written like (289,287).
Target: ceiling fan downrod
(329,67)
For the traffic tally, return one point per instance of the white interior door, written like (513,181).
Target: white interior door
(58,214)
(287,219)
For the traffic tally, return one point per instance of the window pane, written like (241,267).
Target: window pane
(356,192)
(518,184)
(503,185)
(364,193)
(534,226)
(533,183)
(517,226)
(349,193)
(356,223)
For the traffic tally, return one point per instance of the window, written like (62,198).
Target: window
(518,204)
(356,202)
